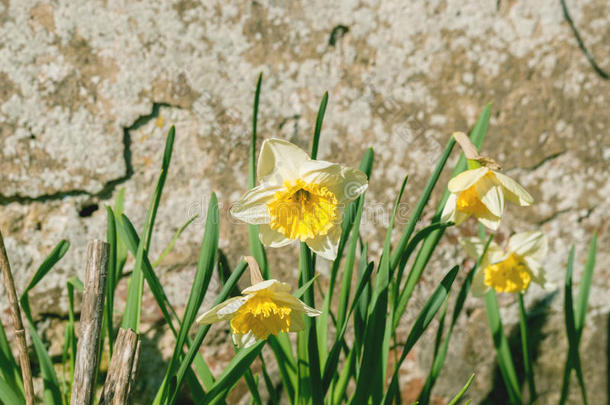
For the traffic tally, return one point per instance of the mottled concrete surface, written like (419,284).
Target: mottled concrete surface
(88,90)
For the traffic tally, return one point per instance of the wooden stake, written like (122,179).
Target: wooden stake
(123,369)
(24,359)
(92,313)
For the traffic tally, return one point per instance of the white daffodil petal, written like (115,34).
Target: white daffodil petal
(252,207)
(513,191)
(490,221)
(222,311)
(326,245)
(245,340)
(460,217)
(295,303)
(472,246)
(495,254)
(448,214)
(272,238)
(296,322)
(466,179)
(345,183)
(279,160)
(491,195)
(538,274)
(529,244)
(272,285)
(479,288)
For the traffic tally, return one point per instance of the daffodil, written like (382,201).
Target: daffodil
(299,198)
(512,269)
(481,192)
(265,308)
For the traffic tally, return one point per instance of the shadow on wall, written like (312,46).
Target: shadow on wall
(537,317)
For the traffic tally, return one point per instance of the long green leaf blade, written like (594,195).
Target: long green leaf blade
(460,394)
(580,310)
(477,135)
(431,307)
(203,275)
(256,247)
(505,360)
(318,128)
(186,362)
(133,307)
(233,372)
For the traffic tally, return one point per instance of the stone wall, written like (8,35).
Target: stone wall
(89,89)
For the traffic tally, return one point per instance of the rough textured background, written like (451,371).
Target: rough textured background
(88,90)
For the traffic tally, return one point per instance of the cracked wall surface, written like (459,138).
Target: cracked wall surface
(89,89)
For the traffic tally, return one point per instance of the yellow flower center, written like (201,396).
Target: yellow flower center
(303,210)
(511,275)
(469,202)
(262,316)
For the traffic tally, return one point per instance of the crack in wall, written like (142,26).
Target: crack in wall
(107,191)
(546,160)
(553,216)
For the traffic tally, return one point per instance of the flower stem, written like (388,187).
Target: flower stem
(525,347)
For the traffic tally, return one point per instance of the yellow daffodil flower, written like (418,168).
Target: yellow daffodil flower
(299,198)
(481,192)
(265,308)
(511,270)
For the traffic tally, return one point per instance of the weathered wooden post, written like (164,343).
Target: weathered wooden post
(24,359)
(122,370)
(92,313)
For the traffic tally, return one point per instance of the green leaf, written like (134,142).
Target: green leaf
(233,372)
(431,307)
(9,370)
(402,298)
(282,349)
(203,275)
(505,360)
(349,217)
(344,377)
(173,241)
(130,236)
(69,353)
(308,370)
(477,135)
(133,307)
(348,268)
(52,391)
(9,394)
(273,392)
(187,360)
(330,368)
(460,394)
(421,204)
(51,260)
(111,281)
(318,128)
(252,384)
(525,348)
(441,351)
(252,166)
(376,340)
(256,247)
(132,241)
(580,310)
(121,249)
(574,332)
(303,289)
